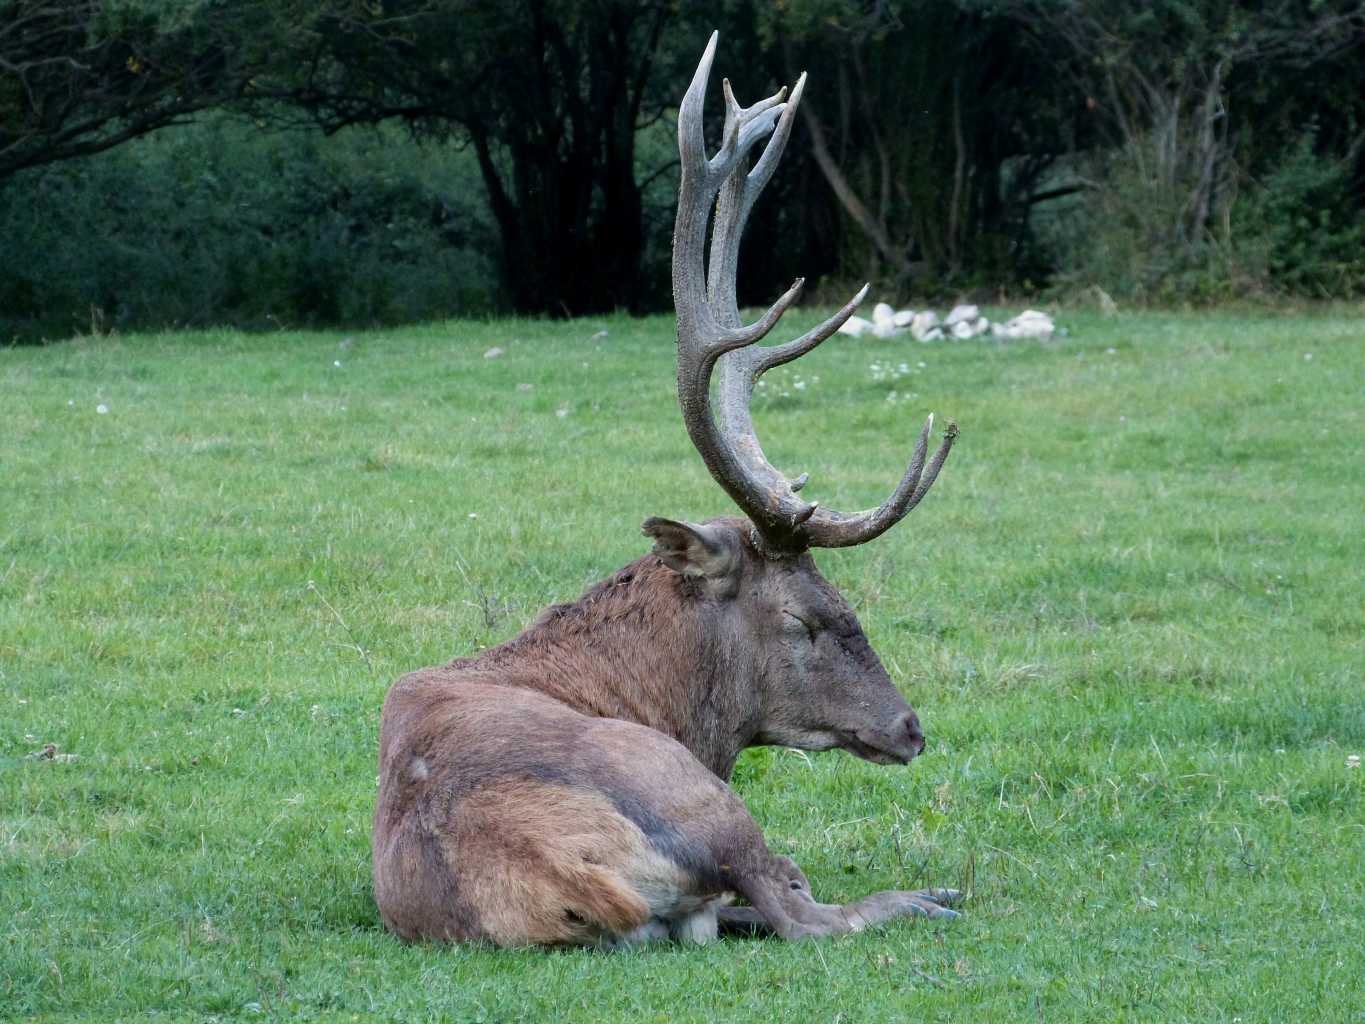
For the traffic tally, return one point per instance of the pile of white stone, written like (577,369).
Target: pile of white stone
(961,323)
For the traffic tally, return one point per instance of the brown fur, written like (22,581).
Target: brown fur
(566,787)
(590,655)
(544,858)
(536,828)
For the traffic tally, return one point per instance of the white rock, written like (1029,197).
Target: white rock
(1031,324)
(903,317)
(923,323)
(855,326)
(961,314)
(884,329)
(882,313)
(932,334)
(971,328)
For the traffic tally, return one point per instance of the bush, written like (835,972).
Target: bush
(1128,236)
(218,223)
(1296,232)
(1301,226)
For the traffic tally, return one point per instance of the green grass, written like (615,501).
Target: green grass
(1130,616)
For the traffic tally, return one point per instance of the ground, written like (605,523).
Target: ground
(1129,614)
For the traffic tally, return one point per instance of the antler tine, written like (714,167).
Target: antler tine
(772,152)
(702,179)
(710,332)
(829,529)
(739,192)
(689,230)
(709,326)
(779,354)
(691,140)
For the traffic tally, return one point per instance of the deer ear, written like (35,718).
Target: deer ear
(690,548)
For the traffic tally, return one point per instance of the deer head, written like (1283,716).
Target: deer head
(820,683)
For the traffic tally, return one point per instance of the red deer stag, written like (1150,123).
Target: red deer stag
(569,785)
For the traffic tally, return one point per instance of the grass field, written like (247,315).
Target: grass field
(1130,616)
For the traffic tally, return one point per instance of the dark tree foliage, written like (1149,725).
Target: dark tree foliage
(80,76)
(1195,103)
(1165,150)
(933,129)
(550,96)
(219,223)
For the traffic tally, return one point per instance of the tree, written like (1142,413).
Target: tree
(932,128)
(78,77)
(550,94)
(1176,87)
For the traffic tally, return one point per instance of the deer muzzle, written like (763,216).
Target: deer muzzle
(900,743)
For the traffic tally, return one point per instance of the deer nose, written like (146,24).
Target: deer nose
(908,726)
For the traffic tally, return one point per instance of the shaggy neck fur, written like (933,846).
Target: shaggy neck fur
(645,645)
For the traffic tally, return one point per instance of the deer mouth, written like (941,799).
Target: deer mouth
(859,746)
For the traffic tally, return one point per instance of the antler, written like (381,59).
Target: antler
(710,331)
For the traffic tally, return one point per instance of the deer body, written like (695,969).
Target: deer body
(568,786)
(543,829)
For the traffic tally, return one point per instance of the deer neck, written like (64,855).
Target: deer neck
(635,647)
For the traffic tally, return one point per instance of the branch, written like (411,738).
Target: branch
(1060,191)
(843,191)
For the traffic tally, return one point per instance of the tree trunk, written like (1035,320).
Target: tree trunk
(849,199)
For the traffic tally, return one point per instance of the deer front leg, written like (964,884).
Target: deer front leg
(782,900)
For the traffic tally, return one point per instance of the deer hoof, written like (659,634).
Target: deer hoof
(943,897)
(922,904)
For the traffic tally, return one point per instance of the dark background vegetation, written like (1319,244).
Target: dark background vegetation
(350,162)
